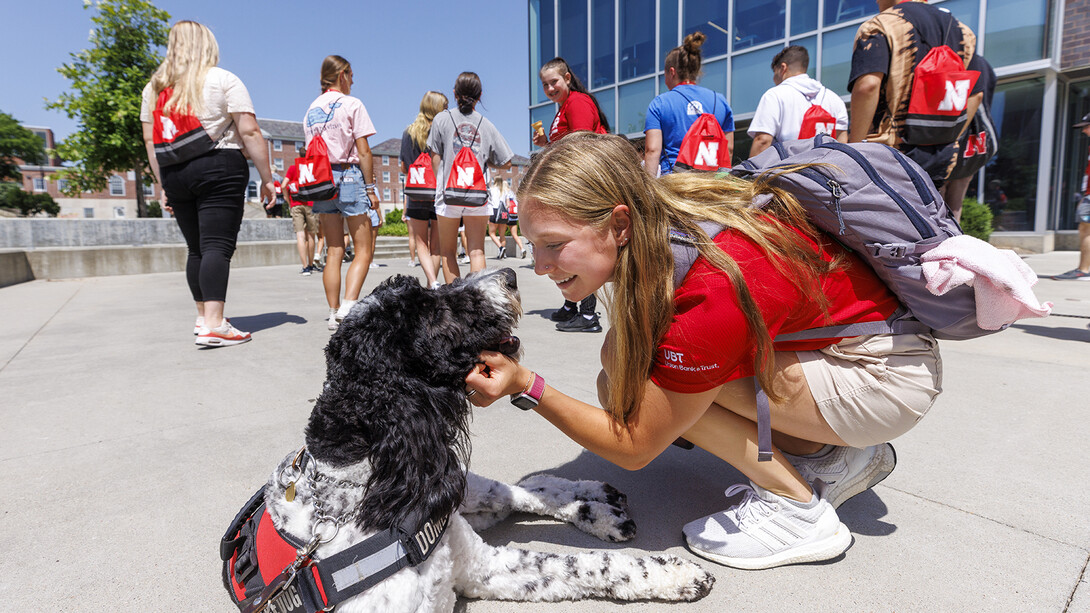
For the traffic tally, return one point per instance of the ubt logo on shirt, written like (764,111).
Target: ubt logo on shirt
(695,108)
(672,357)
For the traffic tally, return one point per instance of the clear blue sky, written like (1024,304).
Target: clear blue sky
(398,50)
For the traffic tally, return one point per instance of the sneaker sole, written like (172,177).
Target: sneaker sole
(879,468)
(818,551)
(592,329)
(215,341)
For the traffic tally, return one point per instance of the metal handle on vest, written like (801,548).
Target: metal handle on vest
(764,424)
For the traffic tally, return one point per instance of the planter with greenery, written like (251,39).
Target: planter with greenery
(976,219)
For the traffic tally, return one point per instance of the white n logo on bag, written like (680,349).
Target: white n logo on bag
(707,154)
(957,95)
(824,128)
(306,173)
(169,129)
(416,175)
(465,176)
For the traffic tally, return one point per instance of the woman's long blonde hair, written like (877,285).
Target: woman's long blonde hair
(191,51)
(431,105)
(584,176)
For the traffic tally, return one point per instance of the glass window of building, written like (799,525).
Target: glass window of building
(810,43)
(1016,31)
(1071,186)
(839,11)
(758,21)
(667,29)
(715,77)
(709,17)
(836,59)
(39,184)
(607,101)
(603,68)
(804,15)
(633,99)
(573,37)
(542,37)
(385,160)
(88,212)
(278,164)
(386,177)
(751,77)
(1010,179)
(117,186)
(251,190)
(637,38)
(386,194)
(149,189)
(62,184)
(967,12)
(278,145)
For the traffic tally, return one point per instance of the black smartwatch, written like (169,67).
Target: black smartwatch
(530,397)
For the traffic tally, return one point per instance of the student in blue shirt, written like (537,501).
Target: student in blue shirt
(671,114)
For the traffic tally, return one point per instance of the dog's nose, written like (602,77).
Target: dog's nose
(512,279)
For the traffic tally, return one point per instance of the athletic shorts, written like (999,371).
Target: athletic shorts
(1082,212)
(458,212)
(304,219)
(424,211)
(872,389)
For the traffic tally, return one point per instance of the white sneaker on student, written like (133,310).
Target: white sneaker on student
(765,530)
(846,471)
(332,322)
(346,306)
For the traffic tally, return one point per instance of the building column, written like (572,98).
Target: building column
(1046,154)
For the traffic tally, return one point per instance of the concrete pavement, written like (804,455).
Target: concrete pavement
(125,452)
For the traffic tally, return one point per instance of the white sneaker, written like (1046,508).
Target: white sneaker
(765,530)
(332,322)
(197,325)
(223,336)
(846,471)
(437,285)
(346,306)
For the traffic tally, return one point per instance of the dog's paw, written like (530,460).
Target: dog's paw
(562,491)
(674,578)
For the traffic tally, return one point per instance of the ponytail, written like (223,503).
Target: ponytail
(686,59)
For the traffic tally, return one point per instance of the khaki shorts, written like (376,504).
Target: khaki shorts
(304,218)
(872,389)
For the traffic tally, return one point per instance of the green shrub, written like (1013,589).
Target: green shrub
(154,209)
(393,217)
(398,228)
(28,205)
(976,219)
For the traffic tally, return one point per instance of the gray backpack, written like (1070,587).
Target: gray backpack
(882,206)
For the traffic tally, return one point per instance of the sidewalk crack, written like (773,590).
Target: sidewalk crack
(1075,589)
(41,327)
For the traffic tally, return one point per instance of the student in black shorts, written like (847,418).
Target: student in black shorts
(422,225)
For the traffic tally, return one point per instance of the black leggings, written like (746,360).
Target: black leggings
(207,194)
(586,305)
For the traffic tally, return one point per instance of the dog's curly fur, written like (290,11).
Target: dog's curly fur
(389,436)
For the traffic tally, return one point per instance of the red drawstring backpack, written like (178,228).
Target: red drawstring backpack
(315,172)
(940,94)
(466,185)
(705,147)
(816,120)
(178,136)
(420,184)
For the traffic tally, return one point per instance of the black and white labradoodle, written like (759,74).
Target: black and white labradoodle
(389,442)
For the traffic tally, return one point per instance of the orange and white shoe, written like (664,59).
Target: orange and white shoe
(224,335)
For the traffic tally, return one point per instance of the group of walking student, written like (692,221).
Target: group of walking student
(697,358)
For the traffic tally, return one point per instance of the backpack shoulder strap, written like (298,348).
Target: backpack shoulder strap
(683,246)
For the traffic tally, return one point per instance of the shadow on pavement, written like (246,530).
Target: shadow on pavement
(264,321)
(1063,334)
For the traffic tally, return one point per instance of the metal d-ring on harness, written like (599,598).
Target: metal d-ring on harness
(306,584)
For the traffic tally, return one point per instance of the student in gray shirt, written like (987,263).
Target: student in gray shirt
(450,131)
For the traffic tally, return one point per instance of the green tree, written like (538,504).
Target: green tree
(13,197)
(106,83)
(17,142)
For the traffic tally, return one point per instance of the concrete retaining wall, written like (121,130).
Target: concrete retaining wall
(43,233)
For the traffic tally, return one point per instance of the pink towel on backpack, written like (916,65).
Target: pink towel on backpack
(1000,279)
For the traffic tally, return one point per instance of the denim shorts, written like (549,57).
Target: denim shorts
(353,198)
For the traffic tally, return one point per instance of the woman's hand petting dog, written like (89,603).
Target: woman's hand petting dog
(496,376)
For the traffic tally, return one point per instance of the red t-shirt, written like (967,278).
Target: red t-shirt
(708,344)
(290,179)
(577,113)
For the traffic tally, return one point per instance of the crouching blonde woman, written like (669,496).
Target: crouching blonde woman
(682,362)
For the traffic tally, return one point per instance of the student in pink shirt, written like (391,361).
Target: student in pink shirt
(343,122)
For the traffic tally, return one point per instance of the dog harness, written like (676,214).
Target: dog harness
(265,569)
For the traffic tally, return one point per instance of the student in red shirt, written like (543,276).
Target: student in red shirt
(684,362)
(579,110)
